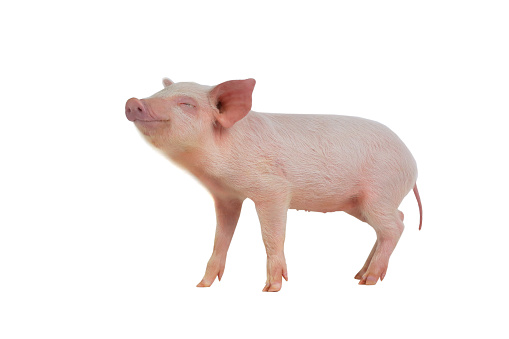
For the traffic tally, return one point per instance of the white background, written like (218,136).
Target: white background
(102,237)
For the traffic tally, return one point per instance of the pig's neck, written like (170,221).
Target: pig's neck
(203,164)
(191,158)
(195,159)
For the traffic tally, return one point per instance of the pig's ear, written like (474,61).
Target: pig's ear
(233,100)
(167,82)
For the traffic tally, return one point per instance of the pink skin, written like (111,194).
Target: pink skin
(319,163)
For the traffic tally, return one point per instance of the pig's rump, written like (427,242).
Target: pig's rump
(325,162)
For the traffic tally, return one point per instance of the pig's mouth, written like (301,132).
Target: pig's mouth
(145,121)
(149,124)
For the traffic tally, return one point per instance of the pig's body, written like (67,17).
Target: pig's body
(323,163)
(320,163)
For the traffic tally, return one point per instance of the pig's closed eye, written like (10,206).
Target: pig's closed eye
(185,104)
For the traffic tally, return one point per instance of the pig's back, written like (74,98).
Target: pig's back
(338,140)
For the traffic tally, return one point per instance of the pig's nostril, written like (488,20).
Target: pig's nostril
(134,109)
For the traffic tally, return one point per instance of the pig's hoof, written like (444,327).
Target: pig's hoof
(215,268)
(359,275)
(368,280)
(203,284)
(274,287)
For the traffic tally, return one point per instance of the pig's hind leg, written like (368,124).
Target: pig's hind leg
(364,268)
(388,227)
(355,211)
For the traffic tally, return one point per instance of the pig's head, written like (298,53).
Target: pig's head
(186,115)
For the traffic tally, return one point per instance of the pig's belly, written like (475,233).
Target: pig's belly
(328,199)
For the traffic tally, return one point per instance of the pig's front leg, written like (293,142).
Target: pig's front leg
(227,216)
(272,215)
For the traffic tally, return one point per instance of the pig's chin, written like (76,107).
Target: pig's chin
(150,128)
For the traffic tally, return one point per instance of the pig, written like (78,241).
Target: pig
(312,162)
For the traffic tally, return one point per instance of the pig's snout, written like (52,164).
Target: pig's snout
(135,110)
